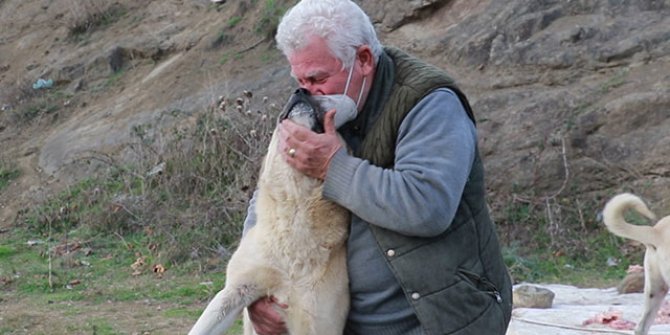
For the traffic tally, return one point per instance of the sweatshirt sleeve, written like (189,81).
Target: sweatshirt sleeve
(419,196)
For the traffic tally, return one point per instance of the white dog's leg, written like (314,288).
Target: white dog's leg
(219,315)
(248,327)
(242,289)
(655,290)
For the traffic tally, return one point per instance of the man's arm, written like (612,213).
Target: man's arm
(419,197)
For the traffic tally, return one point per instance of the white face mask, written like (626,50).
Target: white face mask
(346,108)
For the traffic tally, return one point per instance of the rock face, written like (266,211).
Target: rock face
(569,87)
(572,98)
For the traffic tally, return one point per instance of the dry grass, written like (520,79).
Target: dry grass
(85,16)
(187,198)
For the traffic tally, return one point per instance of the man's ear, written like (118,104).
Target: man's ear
(366,59)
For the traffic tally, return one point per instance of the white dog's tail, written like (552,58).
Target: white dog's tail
(613,215)
(223,310)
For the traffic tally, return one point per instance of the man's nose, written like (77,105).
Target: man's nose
(312,89)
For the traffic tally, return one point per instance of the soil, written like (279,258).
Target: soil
(35,316)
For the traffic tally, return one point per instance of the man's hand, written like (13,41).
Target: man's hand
(310,153)
(265,318)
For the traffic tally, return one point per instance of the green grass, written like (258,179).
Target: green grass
(105,276)
(233,21)
(6,251)
(180,312)
(101,327)
(103,266)
(544,268)
(571,249)
(39,104)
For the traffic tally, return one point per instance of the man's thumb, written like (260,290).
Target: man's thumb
(329,122)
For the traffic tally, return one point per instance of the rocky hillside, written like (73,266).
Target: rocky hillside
(572,97)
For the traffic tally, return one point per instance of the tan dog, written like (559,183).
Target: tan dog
(656,258)
(295,252)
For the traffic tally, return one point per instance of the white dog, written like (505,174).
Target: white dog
(656,258)
(295,252)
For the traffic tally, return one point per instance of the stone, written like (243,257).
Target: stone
(632,283)
(531,296)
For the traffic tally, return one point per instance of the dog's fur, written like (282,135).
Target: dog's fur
(657,257)
(295,252)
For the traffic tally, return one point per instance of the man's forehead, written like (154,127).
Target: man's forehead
(306,66)
(310,72)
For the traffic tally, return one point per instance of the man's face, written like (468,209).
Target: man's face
(318,71)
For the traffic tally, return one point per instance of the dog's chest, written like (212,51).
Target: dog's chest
(298,228)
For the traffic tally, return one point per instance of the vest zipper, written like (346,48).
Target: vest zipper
(489,287)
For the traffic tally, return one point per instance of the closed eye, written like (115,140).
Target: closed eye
(313,80)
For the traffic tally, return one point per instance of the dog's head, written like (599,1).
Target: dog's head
(302,109)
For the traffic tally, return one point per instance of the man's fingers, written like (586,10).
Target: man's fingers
(265,318)
(274,300)
(287,141)
(283,146)
(292,129)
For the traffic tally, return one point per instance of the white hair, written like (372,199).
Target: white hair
(341,23)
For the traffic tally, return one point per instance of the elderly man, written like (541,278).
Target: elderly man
(423,254)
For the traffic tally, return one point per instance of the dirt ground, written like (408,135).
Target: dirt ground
(35,316)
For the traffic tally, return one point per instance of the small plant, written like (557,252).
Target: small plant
(233,21)
(33,104)
(268,56)
(113,78)
(615,81)
(222,40)
(8,172)
(271,14)
(224,58)
(225,37)
(86,16)
(227,56)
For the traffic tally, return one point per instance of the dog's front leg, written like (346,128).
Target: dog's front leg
(248,278)
(220,313)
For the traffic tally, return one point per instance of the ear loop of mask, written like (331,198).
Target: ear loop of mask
(346,87)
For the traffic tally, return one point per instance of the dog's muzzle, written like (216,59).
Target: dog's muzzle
(302,109)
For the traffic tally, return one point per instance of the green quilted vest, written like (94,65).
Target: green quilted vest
(456,282)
